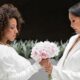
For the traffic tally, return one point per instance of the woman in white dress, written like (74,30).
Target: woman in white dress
(68,67)
(12,65)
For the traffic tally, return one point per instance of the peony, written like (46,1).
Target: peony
(43,50)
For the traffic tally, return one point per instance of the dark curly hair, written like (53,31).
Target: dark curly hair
(8,11)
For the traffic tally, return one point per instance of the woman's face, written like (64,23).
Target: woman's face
(75,23)
(11,31)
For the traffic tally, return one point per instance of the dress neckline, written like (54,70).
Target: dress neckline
(5,44)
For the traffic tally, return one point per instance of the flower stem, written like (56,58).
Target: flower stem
(49,77)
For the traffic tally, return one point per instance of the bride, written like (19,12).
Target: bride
(12,65)
(68,68)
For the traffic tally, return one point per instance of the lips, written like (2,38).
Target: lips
(74,29)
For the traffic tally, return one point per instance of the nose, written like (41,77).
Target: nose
(71,25)
(16,30)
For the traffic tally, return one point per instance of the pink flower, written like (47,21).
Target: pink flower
(43,50)
(43,54)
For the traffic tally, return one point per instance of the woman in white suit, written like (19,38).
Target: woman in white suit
(12,65)
(68,68)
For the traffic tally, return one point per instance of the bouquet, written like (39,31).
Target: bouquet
(43,50)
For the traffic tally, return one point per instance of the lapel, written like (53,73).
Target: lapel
(70,44)
(67,49)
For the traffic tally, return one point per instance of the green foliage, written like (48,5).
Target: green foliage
(24,48)
(61,46)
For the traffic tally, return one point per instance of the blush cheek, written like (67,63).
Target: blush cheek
(10,35)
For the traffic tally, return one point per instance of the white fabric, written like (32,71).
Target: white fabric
(14,66)
(68,68)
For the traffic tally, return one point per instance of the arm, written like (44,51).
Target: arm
(58,74)
(23,75)
(11,73)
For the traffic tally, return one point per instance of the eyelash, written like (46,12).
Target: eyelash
(12,27)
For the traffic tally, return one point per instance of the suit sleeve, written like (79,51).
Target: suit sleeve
(9,71)
(58,74)
(73,68)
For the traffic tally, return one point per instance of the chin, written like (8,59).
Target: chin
(78,33)
(12,39)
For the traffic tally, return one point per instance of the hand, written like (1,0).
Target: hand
(46,64)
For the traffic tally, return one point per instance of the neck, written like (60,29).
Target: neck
(3,41)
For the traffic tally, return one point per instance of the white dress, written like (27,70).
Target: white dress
(14,66)
(68,68)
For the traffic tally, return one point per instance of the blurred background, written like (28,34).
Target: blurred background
(44,19)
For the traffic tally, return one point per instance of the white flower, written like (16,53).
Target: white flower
(43,50)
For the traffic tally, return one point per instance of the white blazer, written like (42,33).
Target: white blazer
(68,68)
(14,66)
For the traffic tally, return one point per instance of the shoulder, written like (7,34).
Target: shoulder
(3,48)
(5,51)
(73,37)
